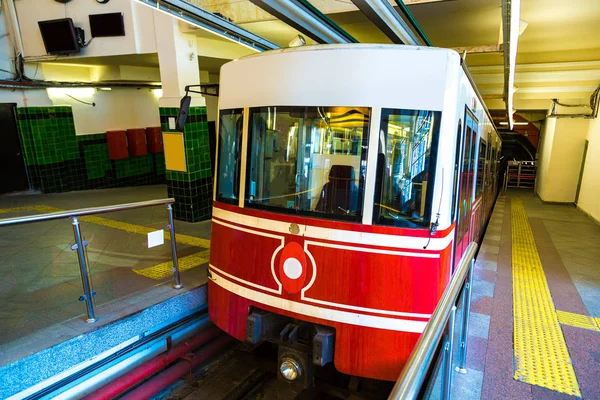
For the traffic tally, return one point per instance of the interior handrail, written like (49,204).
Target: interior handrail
(84,211)
(413,375)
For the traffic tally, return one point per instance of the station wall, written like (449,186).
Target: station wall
(589,196)
(139,34)
(562,152)
(560,163)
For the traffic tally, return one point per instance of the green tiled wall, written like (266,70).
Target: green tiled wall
(97,162)
(134,166)
(58,160)
(192,190)
(195,140)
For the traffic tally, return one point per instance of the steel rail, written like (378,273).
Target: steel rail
(413,376)
(84,211)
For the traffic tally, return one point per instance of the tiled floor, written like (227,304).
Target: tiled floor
(39,273)
(568,244)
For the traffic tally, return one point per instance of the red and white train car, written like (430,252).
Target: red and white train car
(350,180)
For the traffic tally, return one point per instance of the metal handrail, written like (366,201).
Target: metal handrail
(80,243)
(84,211)
(411,380)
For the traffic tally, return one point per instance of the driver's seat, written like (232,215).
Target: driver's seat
(336,195)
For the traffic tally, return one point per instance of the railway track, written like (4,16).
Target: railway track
(240,374)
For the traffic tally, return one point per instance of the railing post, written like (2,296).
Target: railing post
(177,284)
(448,350)
(88,295)
(466,313)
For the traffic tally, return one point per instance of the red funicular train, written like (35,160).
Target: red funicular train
(350,180)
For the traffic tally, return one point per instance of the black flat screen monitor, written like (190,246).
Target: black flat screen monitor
(104,25)
(59,36)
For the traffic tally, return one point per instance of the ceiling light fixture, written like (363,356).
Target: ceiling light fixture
(511,11)
(515,123)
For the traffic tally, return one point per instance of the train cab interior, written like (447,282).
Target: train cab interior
(312,161)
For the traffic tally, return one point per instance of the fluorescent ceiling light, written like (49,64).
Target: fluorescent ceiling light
(515,123)
(158,93)
(75,92)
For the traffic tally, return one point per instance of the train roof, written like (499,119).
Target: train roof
(349,46)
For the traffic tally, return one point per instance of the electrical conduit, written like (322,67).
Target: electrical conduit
(130,379)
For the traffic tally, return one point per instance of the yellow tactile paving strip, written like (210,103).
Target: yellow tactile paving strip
(164,270)
(159,271)
(578,320)
(540,350)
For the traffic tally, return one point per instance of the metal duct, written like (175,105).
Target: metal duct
(401,27)
(203,19)
(302,16)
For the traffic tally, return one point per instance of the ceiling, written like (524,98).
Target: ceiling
(558,54)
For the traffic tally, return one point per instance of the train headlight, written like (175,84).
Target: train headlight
(290,369)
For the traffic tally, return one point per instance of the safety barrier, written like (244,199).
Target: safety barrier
(80,243)
(441,327)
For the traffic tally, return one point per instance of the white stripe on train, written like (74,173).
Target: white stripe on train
(338,235)
(352,318)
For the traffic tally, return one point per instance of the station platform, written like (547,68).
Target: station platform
(535,312)
(534,328)
(42,321)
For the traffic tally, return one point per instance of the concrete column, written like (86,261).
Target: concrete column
(178,63)
(559,162)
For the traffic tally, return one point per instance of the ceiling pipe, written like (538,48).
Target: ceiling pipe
(11,12)
(302,16)
(37,85)
(400,28)
(210,22)
(511,12)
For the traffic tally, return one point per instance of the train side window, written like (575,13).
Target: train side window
(405,165)
(308,160)
(230,143)
(481,167)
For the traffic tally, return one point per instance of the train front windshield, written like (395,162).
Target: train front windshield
(313,161)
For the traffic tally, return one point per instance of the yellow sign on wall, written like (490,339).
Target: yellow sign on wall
(174,151)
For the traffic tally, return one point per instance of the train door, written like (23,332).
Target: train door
(466,174)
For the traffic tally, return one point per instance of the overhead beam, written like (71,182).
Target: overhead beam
(400,27)
(542,77)
(208,21)
(414,2)
(302,16)
(493,48)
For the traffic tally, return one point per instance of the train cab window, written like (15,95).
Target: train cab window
(405,167)
(230,142)
(308,160)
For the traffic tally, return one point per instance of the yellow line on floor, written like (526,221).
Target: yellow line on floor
(578,320)
(164,270)
(17,209)
(540,350)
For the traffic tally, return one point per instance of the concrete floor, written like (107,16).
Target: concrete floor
(39,273)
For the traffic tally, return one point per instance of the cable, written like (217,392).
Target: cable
(81,101)
(555,101)
(84,45)
(435,225)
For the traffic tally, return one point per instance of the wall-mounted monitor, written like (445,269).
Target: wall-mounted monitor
(59,36)
(104,25)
